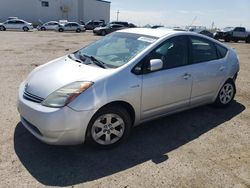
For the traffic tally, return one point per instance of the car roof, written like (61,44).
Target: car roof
(160,32)
(17,20)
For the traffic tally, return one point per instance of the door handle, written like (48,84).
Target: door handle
(186,76)
(222,68)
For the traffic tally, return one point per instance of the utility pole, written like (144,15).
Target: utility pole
(117,16)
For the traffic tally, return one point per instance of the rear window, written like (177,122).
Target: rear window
(222,51)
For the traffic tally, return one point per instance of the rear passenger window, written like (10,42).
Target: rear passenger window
(222,51)
(202,50)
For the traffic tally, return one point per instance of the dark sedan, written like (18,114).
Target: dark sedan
(108,29)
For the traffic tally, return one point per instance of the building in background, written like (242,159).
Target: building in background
(47,10)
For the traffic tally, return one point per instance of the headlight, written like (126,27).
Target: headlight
(66,94)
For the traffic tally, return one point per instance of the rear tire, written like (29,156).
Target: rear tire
(60,30)
(248,39)
(43,29)
(109,127)
(226,94)
(2,28)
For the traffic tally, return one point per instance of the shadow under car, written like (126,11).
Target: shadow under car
(70,165)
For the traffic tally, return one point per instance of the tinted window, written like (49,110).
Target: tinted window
(173,53)
(239,29)
(117,26)
(202,50)
(222,51)
(19,22)
(45,4)
(74,24)
(11,22)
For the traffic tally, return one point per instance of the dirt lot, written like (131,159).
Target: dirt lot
(203,147)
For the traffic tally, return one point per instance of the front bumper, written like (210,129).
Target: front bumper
(57,126)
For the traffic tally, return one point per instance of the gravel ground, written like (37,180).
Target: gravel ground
(203,147)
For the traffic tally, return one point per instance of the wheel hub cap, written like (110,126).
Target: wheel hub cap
(226,93)
(108,129)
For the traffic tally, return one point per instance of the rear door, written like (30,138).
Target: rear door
(168,89)
(239,32)
(208,71)
(10,24)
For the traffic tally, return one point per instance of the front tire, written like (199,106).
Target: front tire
(103,33)
(109,127)
(78,30)
(25,29)
(226,94)
(227,39)
(60,30)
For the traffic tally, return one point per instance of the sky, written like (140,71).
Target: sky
(180,13)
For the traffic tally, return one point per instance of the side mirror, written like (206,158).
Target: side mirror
(155,64)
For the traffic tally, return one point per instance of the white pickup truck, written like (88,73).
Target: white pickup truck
(233,34)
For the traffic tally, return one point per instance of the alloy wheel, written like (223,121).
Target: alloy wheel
(226,93)
(108,129)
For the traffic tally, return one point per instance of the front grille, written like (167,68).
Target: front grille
(31,97)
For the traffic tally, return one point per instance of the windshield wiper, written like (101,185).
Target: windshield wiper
(94,60)
(75,59)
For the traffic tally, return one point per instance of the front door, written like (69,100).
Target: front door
(168,89)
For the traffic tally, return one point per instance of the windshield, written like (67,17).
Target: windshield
(116,49)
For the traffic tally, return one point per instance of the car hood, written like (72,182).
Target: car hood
(48,78)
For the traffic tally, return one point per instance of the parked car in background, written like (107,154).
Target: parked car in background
(203,32)
(131,25)
(71,26)
(12,18)
(63,21)
(100,92)
(108,29)
(93,24)
(125,24)
(156,26)
(16,24)
(52,25)
(233,34)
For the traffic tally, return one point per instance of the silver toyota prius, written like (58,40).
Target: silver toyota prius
(97,94)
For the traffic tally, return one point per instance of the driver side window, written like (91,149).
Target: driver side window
(173,52)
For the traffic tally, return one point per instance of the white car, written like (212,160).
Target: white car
(71,26)
(16,24)
(52,25)
(129,77)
